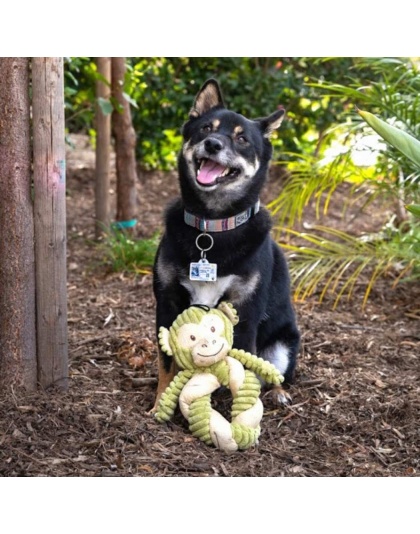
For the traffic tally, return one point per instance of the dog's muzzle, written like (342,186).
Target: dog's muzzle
(213,163)
(213,145)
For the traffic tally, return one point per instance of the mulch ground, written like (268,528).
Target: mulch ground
(356,398)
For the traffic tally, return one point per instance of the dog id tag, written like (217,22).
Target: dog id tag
(203,271)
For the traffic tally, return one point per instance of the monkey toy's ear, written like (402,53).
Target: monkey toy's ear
(164,341)
(229,311)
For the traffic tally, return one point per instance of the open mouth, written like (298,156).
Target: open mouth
(210,172)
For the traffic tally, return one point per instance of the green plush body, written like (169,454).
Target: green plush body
(192,341)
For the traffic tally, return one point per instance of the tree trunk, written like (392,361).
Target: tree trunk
(103,140)
(50,220)
(125,144)
(18,367)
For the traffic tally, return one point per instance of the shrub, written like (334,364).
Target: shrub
(328,261)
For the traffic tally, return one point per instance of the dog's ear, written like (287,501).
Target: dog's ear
(207,98)
(272,122)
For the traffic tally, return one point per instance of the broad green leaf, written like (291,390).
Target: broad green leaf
(116,105)
(414,208)
(402,141)
(105,105)
(130,100)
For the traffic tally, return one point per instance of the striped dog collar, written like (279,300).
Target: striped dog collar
(220,225)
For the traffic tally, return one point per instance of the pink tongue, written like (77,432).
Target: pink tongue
(209,171)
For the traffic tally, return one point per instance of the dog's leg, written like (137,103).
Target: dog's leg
(166,373)
(170,302)
(284,360)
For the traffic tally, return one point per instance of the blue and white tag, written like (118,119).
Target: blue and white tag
(203,271)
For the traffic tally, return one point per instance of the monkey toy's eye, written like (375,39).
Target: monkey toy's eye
(214,324)
(189,334)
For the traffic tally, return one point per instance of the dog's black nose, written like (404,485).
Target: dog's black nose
(213,145)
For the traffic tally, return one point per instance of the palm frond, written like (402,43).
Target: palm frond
(313,180)
(331,262)
(328,261)
(396,95)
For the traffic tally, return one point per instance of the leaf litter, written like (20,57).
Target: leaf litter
(355,403)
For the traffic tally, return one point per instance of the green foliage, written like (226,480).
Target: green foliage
(414,208)
(399,139)
(330,261)
(80,75)
(162,90)
(312,179)
(126,254)
(393,92)
(106,106)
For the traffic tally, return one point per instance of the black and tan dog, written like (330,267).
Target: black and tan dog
(219,221)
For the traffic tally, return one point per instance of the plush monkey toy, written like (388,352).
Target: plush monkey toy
(200,340)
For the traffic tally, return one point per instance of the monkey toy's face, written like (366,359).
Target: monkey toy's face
(206,341)
(199,336)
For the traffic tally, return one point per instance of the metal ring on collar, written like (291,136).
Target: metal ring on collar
(211,242)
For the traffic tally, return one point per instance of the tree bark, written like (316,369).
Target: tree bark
(125,144)
(50,220)
(103,149)
(18,366)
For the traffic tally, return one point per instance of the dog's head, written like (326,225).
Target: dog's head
(225,156)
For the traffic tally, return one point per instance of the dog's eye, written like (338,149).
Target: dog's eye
(206,128)
(241,139)
(213,329)
(193,338)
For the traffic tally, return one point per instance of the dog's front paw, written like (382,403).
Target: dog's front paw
(280,395)
(152,411)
